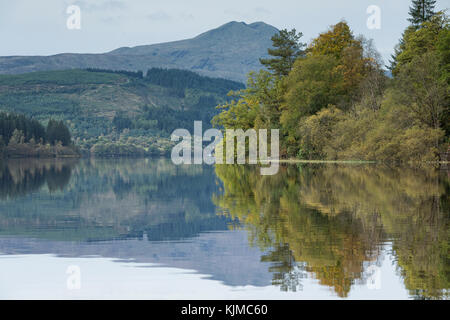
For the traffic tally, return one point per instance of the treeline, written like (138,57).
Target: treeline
(19,129)
(133,74)
(29,128)
(165,120)
(180,80)
(331,98)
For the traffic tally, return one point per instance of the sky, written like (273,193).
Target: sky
(29,27)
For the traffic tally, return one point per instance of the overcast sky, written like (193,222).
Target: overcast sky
(30,27)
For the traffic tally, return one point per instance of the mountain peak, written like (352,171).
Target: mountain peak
(241,28)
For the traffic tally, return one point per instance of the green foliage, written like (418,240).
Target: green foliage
(317,132)
(312,84)
(11,123)
(257,106)
(57,131)
(64,77)
(121,121)
(286,49)
(422,69)
(97,103)
(421,11)
(415,42)
(180,80)
(137,74)
(21,136)
(392,135)
(427,91)
(338,71)
(334,105)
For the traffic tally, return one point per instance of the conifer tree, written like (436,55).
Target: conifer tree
(286,49)
(421,11)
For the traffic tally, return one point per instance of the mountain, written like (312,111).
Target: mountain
(230,51)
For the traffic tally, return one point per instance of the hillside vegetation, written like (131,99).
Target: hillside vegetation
(116,112)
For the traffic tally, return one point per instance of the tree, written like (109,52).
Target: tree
(427,93)
(422,71)
(17,137)
(356,58)
(316,133)
(121,121)
(416,42)
(257,106)
(30,128)
(286,49)
(334,41)
(421,11)
(57,131)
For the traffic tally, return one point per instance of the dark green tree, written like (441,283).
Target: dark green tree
(58,131)
(121,121)
(286,49)
(30,128)
(421,11)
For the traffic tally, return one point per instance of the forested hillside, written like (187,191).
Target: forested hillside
(116,112)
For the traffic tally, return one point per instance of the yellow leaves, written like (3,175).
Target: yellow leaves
(333,41)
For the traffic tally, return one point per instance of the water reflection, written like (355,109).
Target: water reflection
(107,199)
(332,221)
(22,176)
(324,221)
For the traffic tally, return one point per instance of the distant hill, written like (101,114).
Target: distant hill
(230,51)
(117,112)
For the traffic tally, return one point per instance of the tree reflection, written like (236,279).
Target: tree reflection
(332,221)
(23,176)
(106,199)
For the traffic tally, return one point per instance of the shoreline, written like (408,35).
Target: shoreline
(281,161)
(354,161)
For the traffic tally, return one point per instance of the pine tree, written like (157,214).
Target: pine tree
(287,48)
(421,11)
(58,131)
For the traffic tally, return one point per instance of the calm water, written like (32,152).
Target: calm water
(145,228)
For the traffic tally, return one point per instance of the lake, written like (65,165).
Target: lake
(147,229)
